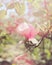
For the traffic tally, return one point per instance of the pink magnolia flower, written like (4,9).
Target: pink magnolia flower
(27,30)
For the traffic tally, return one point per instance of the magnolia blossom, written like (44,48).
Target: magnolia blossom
(27,30)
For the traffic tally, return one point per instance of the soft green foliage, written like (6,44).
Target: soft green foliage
(47,49)
(5,39)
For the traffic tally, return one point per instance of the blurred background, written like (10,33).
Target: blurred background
(35,12)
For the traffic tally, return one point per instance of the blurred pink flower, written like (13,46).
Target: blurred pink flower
(1,24)
(22,58)
(27,30)
(10,29)
(18,21)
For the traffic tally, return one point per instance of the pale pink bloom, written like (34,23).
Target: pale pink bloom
(19,21)
(23,58)
(27,30)
(1,24)
(10,29)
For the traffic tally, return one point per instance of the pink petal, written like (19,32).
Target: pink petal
(28,32)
